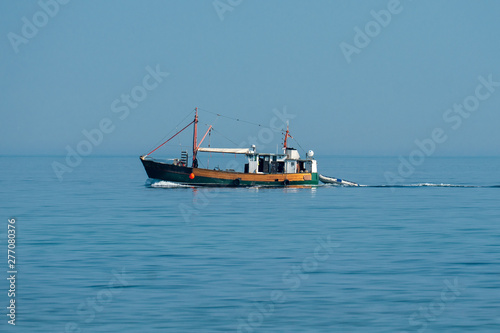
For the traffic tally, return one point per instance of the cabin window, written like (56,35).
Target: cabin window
(300,166)
(280,167)
(266,167)
(261,165)
(308,166)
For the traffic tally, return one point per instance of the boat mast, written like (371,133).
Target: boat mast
(287,135)
(195,139)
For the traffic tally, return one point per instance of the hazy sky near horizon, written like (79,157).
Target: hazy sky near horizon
(355,81)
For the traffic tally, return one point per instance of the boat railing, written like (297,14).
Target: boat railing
(160,160)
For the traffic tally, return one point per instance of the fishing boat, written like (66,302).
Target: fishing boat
(261,169)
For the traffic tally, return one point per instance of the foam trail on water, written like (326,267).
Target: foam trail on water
(418,185)
(164,184)
(154,183)
(433,185)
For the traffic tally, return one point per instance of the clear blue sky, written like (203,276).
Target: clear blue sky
(263,55)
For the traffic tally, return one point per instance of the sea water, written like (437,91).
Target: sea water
(107,250)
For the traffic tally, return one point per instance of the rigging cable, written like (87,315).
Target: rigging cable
(170,138)
(236,119)
(166,135)
(225,137)
(299,145)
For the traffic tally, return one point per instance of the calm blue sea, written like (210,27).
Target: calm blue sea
(106,251)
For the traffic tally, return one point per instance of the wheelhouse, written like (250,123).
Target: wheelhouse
(290,162)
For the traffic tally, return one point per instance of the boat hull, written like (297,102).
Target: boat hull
(206,177)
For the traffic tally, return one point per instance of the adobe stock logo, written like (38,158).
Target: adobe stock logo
(30,28)
(373,28)
(454,117)
(222,7)
(122,108)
